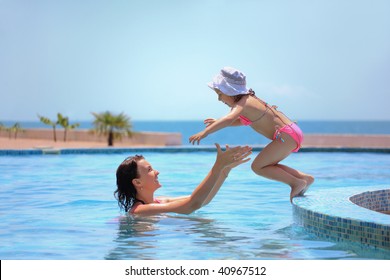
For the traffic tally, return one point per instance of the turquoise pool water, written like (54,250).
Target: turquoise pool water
(62,207)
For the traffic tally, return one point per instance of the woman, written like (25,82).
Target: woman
(137,181)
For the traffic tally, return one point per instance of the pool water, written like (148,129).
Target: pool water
(62,207)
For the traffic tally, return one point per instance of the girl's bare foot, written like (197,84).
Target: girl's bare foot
(309,180)
(297,189)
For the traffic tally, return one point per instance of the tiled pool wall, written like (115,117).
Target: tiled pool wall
(376,200)
(339,219)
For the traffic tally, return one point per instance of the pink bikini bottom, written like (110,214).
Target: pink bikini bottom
(294,131)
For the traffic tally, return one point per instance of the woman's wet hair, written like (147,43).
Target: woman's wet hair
(126,192)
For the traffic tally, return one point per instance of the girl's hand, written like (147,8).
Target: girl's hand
(232,157)
(209,121)
(197,137)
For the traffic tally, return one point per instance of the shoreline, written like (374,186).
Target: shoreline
(311,141)
(28,144)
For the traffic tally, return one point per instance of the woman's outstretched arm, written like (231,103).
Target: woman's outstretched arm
(221,180)
(207,189)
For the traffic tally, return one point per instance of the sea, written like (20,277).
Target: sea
(236,135)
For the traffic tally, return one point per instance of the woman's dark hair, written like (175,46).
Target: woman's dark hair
(237,98)
(126,172)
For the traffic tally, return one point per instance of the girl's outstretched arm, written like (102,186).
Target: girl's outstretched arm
(210,121)
(216,125)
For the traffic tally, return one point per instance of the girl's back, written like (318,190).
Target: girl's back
(263,116)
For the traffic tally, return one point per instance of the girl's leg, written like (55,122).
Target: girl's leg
(296,173)
(266,165)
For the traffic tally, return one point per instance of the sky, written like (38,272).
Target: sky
(152,59)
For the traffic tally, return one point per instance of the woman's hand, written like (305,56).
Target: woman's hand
(232,157)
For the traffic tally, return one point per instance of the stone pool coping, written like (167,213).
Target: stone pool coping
(330,214)
(172,149)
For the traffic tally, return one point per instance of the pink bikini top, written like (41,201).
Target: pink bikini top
(245,120)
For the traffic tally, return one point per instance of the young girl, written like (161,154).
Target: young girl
(137,181)
(247,109)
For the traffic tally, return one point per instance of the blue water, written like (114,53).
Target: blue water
(62,207)
(241,135)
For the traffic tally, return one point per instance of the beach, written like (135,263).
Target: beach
(311,141)
(22,144)
(34,138)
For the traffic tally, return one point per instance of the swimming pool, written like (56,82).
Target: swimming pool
(62,207)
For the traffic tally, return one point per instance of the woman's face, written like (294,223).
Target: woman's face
(147,175)
(224,98)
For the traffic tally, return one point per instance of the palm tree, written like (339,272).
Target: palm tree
(47,121)
(64,122)
(2,127)
(113,126)
(14,129)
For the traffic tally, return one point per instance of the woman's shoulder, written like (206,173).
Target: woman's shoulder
(134,207)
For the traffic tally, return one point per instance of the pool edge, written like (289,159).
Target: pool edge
(172,149)
(331,215)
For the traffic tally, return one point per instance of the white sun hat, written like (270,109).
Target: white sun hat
(230,81)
